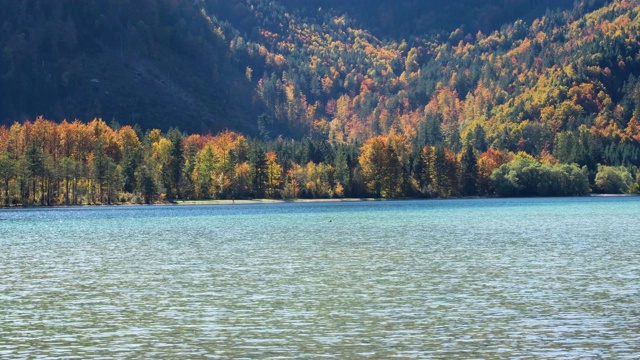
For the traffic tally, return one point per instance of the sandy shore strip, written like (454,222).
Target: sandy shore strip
(268,201)
(281,201)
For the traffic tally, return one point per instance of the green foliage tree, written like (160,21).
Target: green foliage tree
(524,176)
(427,160)
(148,187)
(438,172)
(343,173)
(613,180)
(36,167)
(176,161)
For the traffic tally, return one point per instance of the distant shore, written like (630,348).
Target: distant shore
(282,201)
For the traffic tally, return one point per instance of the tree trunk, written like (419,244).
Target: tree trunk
(75,190)
(42,192)
(66,187)
(6,192)
(108,193)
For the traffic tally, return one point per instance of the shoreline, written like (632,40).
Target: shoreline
(208,202)
(272,201)
(293,201)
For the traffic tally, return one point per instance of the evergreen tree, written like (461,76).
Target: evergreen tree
(342,174)
(36,167)
(148,187)
(469,172)
(258,169)
(176,162)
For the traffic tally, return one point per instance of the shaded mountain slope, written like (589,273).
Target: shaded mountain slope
(157,63)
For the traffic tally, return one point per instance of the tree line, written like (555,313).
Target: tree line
(74,163)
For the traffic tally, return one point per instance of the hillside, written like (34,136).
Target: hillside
(156,63)
(181,63)
(528,87)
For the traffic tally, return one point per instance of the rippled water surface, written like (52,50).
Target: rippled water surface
(537,278)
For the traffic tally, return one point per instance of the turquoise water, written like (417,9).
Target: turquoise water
(512,278)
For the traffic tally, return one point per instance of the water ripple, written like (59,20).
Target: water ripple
(535,278)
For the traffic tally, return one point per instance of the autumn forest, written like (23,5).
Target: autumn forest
(265,99)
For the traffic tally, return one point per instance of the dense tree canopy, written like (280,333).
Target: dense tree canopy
(47,163)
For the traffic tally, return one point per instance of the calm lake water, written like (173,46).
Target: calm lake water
(516,278)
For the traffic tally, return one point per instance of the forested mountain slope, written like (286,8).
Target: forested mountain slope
(183,63)
(157,63)
(564,84)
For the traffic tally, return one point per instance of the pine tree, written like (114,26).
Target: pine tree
(258,169)
(469,172)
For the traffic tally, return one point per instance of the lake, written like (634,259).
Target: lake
(486,278)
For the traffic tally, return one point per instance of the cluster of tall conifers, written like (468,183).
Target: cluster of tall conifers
(47,163)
